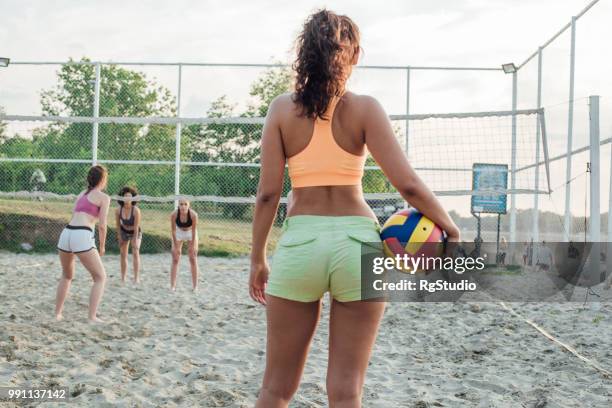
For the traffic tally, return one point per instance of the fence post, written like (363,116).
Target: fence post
(96,114)
(407,134)
(609,248)
(177,158)
(536,197)
(570,130)
(513,167)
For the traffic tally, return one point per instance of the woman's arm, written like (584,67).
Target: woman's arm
(173,216)
(136,221)
(194,226)
(118,223)
(385,149)
(269,192)
(270,185)
(104,206)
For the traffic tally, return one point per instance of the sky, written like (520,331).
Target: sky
(472,33)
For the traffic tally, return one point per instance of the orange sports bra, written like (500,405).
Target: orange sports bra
(323,162)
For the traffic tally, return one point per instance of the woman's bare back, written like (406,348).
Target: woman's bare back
(347,127)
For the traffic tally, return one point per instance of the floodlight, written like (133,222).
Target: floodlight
(4,62)
(509,68)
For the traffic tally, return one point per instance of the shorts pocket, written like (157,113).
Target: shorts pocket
(369,238)
(293,240)
(294,256)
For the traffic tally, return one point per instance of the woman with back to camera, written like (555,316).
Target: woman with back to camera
(77,240)
(127,223)
(323,133)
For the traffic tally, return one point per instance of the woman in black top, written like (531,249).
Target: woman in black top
(183,222)
(127,221)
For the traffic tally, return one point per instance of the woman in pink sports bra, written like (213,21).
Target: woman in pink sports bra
(77,240)
(323,133)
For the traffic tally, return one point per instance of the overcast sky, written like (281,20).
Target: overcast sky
(454,32)
(414,32)
(409,32)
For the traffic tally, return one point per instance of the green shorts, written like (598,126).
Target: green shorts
(316,254)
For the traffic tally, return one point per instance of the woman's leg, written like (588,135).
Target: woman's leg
(123,251)
(352,332)
(136,256)
(67,261)
(291,326)
(193,262)
(176,258)
(92,262)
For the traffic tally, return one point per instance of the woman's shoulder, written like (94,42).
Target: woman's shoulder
(99,196)
(282,102)
(362,101)
(367,108)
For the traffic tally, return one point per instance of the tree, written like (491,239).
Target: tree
(234,143)
(273,82)
(122,93)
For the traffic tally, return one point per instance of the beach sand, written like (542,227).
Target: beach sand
(207,349)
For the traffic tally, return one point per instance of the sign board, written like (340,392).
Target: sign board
(489,177)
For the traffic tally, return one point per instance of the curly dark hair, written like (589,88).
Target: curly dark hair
(95,175)
(124,191)
(320,67)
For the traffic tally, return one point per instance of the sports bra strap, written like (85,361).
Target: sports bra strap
(329,112)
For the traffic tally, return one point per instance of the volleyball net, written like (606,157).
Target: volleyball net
(213,161)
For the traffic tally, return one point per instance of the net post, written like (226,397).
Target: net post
(513,166)
(536,196)
(570,129)
(407,134)
(177,157)
(542,123)
(594,219)
(96,114)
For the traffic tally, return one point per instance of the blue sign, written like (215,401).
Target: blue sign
(489,177)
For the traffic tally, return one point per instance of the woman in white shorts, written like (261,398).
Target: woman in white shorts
(183,222)
(77,240)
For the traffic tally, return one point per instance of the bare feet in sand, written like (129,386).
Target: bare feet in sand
(96,320)
(59,317)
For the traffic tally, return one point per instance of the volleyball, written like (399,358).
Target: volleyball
(410,233)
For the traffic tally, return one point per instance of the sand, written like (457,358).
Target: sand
(163,349)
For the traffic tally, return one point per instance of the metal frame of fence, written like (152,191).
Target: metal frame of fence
(178,121)
(570,122)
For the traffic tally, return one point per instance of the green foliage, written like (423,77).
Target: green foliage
(273,82)
(3,135)
(122,93)
(238,143)
(374,181)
